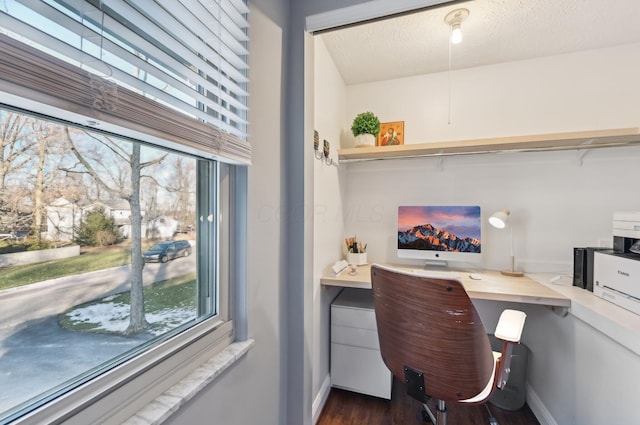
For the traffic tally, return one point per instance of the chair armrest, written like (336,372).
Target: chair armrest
(510,326)
(509,330)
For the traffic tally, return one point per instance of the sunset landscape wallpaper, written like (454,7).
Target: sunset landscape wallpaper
(440,228)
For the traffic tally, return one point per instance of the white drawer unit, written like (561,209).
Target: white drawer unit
(356,363)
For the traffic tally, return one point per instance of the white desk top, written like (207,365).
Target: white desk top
(617,323)
(493,286)
(612,320)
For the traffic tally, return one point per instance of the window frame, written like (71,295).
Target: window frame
(58,90)
(118,393)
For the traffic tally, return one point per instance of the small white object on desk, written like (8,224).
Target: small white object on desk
(475,276)
(339,266)
(555,279)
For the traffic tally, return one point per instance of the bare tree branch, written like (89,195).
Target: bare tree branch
(91,170)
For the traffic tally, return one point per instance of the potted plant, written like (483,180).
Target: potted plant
(365,127)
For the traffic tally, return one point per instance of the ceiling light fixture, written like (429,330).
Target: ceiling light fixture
(454,19)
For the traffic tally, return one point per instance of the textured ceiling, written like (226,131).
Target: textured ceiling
(496,31)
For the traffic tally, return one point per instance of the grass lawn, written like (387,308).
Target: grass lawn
(90,260)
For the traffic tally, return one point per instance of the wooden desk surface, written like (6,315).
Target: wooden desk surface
(493,286)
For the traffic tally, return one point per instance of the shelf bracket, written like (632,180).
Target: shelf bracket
(441,162)
(560,311)
(580,153)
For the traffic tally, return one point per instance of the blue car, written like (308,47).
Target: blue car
(165,251)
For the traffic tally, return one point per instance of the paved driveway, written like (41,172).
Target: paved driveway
(36,354)
(40,355)
(56,296)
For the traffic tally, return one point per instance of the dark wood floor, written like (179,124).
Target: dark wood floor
(349,408)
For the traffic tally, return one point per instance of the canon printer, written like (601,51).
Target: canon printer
(616,273)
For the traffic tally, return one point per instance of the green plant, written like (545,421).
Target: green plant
(38,245)
(365,123)
(94,227)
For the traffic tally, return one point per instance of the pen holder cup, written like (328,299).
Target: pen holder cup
(357,259)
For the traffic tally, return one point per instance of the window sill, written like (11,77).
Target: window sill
(170,401)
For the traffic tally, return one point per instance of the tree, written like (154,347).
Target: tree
(182,184)
(14,144)
(46,137)
(116,167)
(92,229)
(15,147)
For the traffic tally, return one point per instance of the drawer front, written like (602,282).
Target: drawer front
(353,317)
(357,337)
(361,370)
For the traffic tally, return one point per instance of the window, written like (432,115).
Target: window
(129,131)
(75,317)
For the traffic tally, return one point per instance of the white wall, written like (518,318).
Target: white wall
(607,376)
(558,200)
(556,203)
(591,90)
(329,117)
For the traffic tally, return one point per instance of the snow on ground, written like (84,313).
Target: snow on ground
(114,317)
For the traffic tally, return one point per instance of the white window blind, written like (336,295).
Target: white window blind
(189,56)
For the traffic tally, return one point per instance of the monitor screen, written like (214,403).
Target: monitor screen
(440,233)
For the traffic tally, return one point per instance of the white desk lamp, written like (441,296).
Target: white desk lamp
(499,220)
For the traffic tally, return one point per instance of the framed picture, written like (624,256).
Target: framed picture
(391,133)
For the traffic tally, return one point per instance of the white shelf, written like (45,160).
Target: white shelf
(540,142)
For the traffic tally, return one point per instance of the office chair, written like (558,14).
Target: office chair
(432,339)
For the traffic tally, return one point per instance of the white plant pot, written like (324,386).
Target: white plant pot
(363,140)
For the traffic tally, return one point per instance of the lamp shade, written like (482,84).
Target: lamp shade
(499,219)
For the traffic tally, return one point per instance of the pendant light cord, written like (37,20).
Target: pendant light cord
(449,81)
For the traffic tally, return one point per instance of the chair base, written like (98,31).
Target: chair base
(440,418)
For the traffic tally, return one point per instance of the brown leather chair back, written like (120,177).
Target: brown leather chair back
(431,326)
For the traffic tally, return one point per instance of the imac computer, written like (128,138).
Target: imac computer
(440,234)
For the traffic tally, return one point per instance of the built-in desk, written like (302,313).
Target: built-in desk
(493,286)
(355,355)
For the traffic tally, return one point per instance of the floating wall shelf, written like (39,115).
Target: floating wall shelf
(541,142)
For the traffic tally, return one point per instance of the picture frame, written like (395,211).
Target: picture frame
(391,133)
